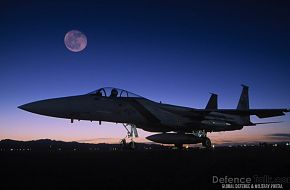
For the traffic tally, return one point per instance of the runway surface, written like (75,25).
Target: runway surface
(147,169)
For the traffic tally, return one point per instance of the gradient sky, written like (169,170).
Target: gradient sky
(173,51)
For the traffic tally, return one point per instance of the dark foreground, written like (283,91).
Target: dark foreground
(161,169)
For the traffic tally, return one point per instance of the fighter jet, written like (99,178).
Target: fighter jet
(174,124)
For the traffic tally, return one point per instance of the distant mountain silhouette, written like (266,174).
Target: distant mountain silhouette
(53,145)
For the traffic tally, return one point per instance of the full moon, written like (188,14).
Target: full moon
(75,41)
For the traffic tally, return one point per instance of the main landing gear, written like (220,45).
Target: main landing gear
(206,142)
(192,138)
(130,134)
(179,146)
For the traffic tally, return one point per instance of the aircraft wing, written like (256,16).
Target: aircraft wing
(261,113)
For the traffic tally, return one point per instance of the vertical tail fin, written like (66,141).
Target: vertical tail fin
(244,103)
(244,99)
(212,102)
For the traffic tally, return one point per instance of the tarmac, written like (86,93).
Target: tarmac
(146,169)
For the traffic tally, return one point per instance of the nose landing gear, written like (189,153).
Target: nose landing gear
(130,134)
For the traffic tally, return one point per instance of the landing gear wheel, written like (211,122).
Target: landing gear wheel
(128,146)
(206,143)
(179,146)
(132,145)
(123,143)
(130,134)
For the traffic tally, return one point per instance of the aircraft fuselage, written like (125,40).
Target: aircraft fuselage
(189,124)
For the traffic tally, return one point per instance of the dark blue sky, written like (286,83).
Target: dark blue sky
(174,51)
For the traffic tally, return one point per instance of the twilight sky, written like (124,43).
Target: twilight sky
(170,51)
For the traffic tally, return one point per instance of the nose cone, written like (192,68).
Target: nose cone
(57,107)
(39,107)
(26,107)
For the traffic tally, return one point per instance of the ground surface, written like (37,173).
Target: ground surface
(162,169)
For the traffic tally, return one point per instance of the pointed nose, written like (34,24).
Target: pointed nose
(31,107)
(56,107)
(26,107)
(49,107)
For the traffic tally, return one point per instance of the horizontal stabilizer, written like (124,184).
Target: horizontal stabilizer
(261,113)
(265,114)
(267,122)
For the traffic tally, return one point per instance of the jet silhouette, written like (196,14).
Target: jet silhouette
(176,125)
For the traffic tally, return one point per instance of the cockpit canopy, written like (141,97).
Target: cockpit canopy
(114,92)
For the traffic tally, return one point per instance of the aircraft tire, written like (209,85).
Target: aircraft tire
(179,146)
(206,143)
(132,145)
